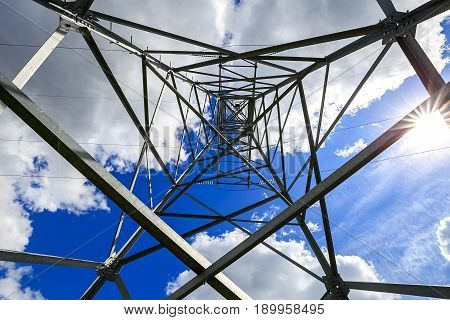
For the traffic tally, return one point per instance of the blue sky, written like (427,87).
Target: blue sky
(387,213)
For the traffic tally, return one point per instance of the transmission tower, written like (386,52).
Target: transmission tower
(234,96)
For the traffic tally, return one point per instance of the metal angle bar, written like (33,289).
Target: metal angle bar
(148,125)
(158,103)
(315,165)
(218,120)
(66,12)
(355,92)
(264,62)
(273,65)
(204,227)
(286,58)
(344,109)
(319,125)
(278,252)
(216,83)
(210,217)
(188,215)
(83,5)
(162,33)
(387,6)
(112,80)
(217,132)
(169,35)
(124,293)
(37,60)
(163,204)
(280,132)
(424,68)
(250,115)
(99,281)
(266,131)
(185,132)
(145,94)
(258,135)
(149,179)
(414,17)
(285,121)
(266,123)
(440,292)
(39,57)
(92,290)
(274,103)
(36,258)
(322,103)
(199,110)
(183,118)
(287,198)
(262,222)
(233,72)
(377,28)
(439,101)
(231,79)
(70,150)
(136,235)
(246,79)
(315,247)
(225,174)
(122,214)
(184,52)
(205,111)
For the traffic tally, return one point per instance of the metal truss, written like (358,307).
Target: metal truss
(234,97)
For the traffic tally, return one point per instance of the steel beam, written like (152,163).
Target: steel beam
(122,214)
(112,80)
(37,60)
(70,150)
(315,164)
(439,292)
(204,227)
(217,132)
(439,101)
(172,36)
(343,110)
(35,258)
(410,20)
(83,5)
(124,293)
(423,66)
(374,29)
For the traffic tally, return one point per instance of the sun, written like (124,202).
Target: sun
(430,131)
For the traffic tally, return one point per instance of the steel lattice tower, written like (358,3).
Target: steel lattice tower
(234,126)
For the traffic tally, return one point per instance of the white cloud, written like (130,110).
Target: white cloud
(105,121)
(266,215)
(10,284)
(264,275)
(356,147)
(313,227)
(443,237)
